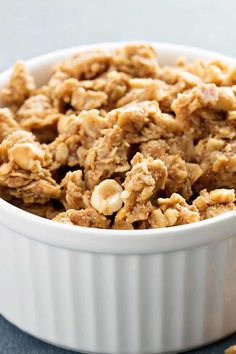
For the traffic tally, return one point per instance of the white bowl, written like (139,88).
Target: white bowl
(111,291)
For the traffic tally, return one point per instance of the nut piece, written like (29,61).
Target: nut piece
(231,350)
(106,197)
(25,155)
(62,152)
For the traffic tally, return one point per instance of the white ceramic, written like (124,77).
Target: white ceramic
(110,291)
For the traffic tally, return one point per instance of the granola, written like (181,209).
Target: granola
(115,140)
(231,350)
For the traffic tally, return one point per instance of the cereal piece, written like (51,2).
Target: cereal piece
(213,72)
(116,85)
(106,197)
(144,121)
(44,210)
(181,176)
(108,155)
(140,90)
(20,86)
(27,156)
(138,60)
(82,99)
(205,95)
(149,90)
(157,219)
(69,125)
(230,77)
(214,203)
(37,112)
(77,136)
(220,196)
(139,212)
(89,125)
(218,162)
(63,93)
(181,145)
(70,92)
(214,75)
(22,169)
(173,211)
(157,149)
(21,145)
(73,190)
(93,123)
(88,217)
(173,75)
(52,89)
(57,78)
(16,137)
(103,81)
(232,116)
(62,153)
(40,191)
(7,123)
(85,65)
(226,99)
(146,178)
(122,225)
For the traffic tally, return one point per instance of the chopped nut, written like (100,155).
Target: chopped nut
(106,197)
(232,164)
(232,116)
(172,216)
(62,153)
(26,155)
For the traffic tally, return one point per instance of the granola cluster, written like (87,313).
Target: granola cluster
(114,140)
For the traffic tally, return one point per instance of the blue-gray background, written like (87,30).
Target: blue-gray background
(32,27)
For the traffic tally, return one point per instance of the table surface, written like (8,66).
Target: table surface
(29,28)
(14,341)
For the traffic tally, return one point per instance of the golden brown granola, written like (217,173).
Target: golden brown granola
(7,123)
(88,217)
(20,86)
(37,112)
(137,60)
(115,140)
(173,211)
(73,193)
(217,202)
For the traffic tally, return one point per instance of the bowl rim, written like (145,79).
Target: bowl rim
(161,234)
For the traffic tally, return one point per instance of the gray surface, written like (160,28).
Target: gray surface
(14,341)
(32,27)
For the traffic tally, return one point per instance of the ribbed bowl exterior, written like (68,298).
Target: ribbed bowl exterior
(109,303)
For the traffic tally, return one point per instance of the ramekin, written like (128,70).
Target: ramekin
(111,291)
